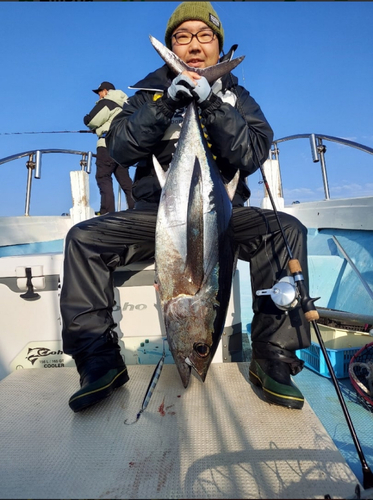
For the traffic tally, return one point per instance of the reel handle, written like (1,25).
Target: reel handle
(307,303)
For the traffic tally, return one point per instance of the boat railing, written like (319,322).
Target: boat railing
(33,164)
(318,150)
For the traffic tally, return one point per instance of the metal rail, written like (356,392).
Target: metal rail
(346,142)
(318,150)
(43,151)
(34,164)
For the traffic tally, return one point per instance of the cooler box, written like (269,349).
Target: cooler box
(31,322)
(30,334)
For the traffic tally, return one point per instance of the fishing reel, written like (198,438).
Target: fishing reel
(284,294)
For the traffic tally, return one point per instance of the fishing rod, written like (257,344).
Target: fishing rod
(312,315)
(52,132)
(307,305)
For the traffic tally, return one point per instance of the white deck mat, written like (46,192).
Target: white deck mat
(212,440)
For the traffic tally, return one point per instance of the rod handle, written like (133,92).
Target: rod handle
(309,309)
(311,315)
(294,266)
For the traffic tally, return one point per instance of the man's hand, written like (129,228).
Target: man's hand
(202,90)
(186,87)
(189,85)
(180,88)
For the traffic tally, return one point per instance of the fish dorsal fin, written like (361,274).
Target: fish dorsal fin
(231,186)
(161,174)
(174,62)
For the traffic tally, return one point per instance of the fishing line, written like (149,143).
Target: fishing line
(52,132)
(229,56)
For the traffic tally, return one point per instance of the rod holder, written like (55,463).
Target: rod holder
(314,151)
(275,152)
(37,173)
(89,162)
(86,161)
(30,165)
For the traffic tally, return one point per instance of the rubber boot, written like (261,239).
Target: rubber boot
(101,373)
(273,376)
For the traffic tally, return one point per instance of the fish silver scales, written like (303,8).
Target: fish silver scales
(194,250)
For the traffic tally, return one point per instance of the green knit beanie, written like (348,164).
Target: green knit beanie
(199,11)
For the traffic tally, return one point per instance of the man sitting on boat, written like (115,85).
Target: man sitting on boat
(149,124)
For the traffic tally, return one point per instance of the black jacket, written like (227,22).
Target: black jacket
(147,125)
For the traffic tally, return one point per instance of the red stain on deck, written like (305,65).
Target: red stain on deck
(161,409)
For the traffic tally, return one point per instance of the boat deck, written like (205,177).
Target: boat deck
(212,440)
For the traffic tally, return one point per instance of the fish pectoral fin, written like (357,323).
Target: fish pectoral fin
(161,174)
(231,186)
(194,266)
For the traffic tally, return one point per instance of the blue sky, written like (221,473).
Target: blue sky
(308,64)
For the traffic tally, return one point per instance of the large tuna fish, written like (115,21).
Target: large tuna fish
(194,250)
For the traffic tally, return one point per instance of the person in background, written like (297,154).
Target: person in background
(98,120)
(240,138)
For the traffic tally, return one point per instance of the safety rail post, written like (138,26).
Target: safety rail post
(321,148)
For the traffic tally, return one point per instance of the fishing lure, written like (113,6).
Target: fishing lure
(151,386)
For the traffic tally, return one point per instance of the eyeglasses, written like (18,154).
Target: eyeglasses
(203,36)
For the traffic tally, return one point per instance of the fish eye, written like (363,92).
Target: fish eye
(201,349)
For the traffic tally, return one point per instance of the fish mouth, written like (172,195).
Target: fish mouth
(184,368)
(196,360)
(201,372)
